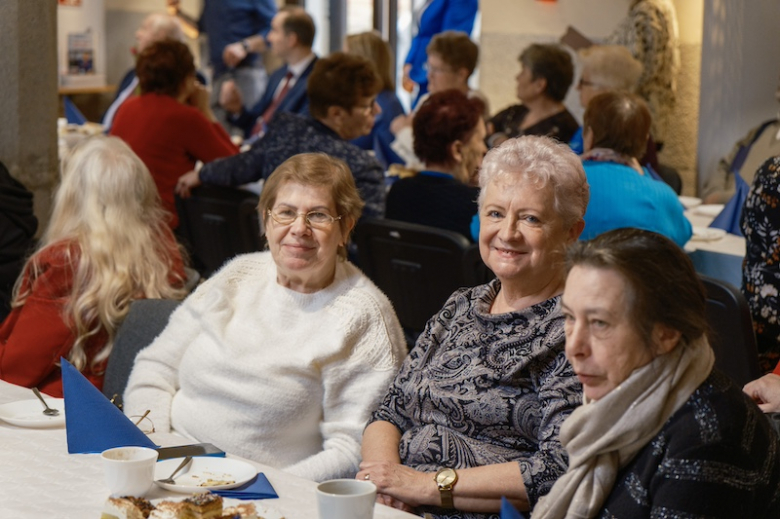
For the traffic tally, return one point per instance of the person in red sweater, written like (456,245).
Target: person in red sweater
(170,125)
(107,244)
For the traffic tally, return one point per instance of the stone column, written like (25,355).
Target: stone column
(28,96)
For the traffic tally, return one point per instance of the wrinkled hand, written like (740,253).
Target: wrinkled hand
(233,54)
(400,122)
(765,391)
(397,485)
(230,97)
(186,182)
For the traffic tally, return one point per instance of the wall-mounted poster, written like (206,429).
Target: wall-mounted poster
(70,3)
(81,53)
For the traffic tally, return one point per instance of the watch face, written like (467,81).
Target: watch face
(446,477)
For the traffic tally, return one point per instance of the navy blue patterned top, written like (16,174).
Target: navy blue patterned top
(716,456)
(290,134)
(480,389)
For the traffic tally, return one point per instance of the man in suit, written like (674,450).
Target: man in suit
(342,100)
(154,28)
(291,38)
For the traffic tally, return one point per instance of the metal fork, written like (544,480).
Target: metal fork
(169,480)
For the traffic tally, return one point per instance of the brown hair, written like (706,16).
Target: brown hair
(299,23)
(619,121)
(340,80)
(456,49)
(444,118)
(320,170)
(371,46)
(663,285)
(163,67)
(551,63)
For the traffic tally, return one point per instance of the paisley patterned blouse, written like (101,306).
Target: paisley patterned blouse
(480,389)
(760,224)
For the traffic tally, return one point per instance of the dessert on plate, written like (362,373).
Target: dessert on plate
(197,506)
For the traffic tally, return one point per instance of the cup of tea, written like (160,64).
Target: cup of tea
(346,499)
(129,471)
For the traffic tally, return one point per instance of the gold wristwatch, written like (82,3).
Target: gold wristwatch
(445,479)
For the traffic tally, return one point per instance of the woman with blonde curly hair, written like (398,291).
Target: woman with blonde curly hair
(107,244)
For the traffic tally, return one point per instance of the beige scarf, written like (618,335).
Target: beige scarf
(604,436)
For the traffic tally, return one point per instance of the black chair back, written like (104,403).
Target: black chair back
(217,223)
(732,336)
(144,322)
(417,266)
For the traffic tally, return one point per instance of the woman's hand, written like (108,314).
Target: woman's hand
(398,485)
(400,122)
(186,182)
(765,392)
(199,98)
(406,81)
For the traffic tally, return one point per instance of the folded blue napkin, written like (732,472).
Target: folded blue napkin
(72,114)
(508,511)
(257,488)
(92,422)
(728,219)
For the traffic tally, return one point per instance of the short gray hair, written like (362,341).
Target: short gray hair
(541,161)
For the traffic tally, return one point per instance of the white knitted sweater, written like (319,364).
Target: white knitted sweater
(270,374)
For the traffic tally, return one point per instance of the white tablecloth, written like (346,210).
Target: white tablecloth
(729,244)
(39,479)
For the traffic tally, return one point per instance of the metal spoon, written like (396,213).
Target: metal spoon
(169,480)
(48,411)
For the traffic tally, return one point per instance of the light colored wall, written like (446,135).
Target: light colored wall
(508,27)
(739,74)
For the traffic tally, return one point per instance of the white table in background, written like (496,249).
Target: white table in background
(39,479)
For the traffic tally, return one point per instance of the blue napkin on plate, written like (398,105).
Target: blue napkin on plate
(92,422)
(508,511)
(72,114)
(257,488)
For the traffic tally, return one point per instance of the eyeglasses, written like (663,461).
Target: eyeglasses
(585,82)
(367,108)
(315,219)
(437,70)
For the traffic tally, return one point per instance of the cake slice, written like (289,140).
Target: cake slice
(202,506)
(241,511)
(126,507)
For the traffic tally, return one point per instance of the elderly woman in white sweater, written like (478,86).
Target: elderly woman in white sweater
(281,356)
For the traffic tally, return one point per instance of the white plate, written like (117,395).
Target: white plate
(689,202)
(712,210)
(264,511)
(707,234)
(205,473)
(29,413)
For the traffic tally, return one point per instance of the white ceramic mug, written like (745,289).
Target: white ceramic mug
(129,471)
(346,499)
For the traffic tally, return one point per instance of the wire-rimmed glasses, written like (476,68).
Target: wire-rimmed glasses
(315,219)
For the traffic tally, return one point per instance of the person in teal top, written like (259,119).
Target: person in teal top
(622,193)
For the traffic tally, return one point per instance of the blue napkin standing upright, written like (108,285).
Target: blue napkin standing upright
(72,114)
(728,218)
(508,511)
(92,422)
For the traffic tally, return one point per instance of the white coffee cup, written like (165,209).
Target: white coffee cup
(346,499)
(129,471)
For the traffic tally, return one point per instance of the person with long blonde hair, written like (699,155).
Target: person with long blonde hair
(106,244)
(371,46)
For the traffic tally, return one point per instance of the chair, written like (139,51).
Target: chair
(217,223)
(144,322)
(475,271)
(732,337)
(417,266)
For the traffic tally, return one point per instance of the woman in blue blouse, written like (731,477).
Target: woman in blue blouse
(433,17)
(474,413)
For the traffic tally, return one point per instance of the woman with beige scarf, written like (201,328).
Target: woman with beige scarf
(660,434)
